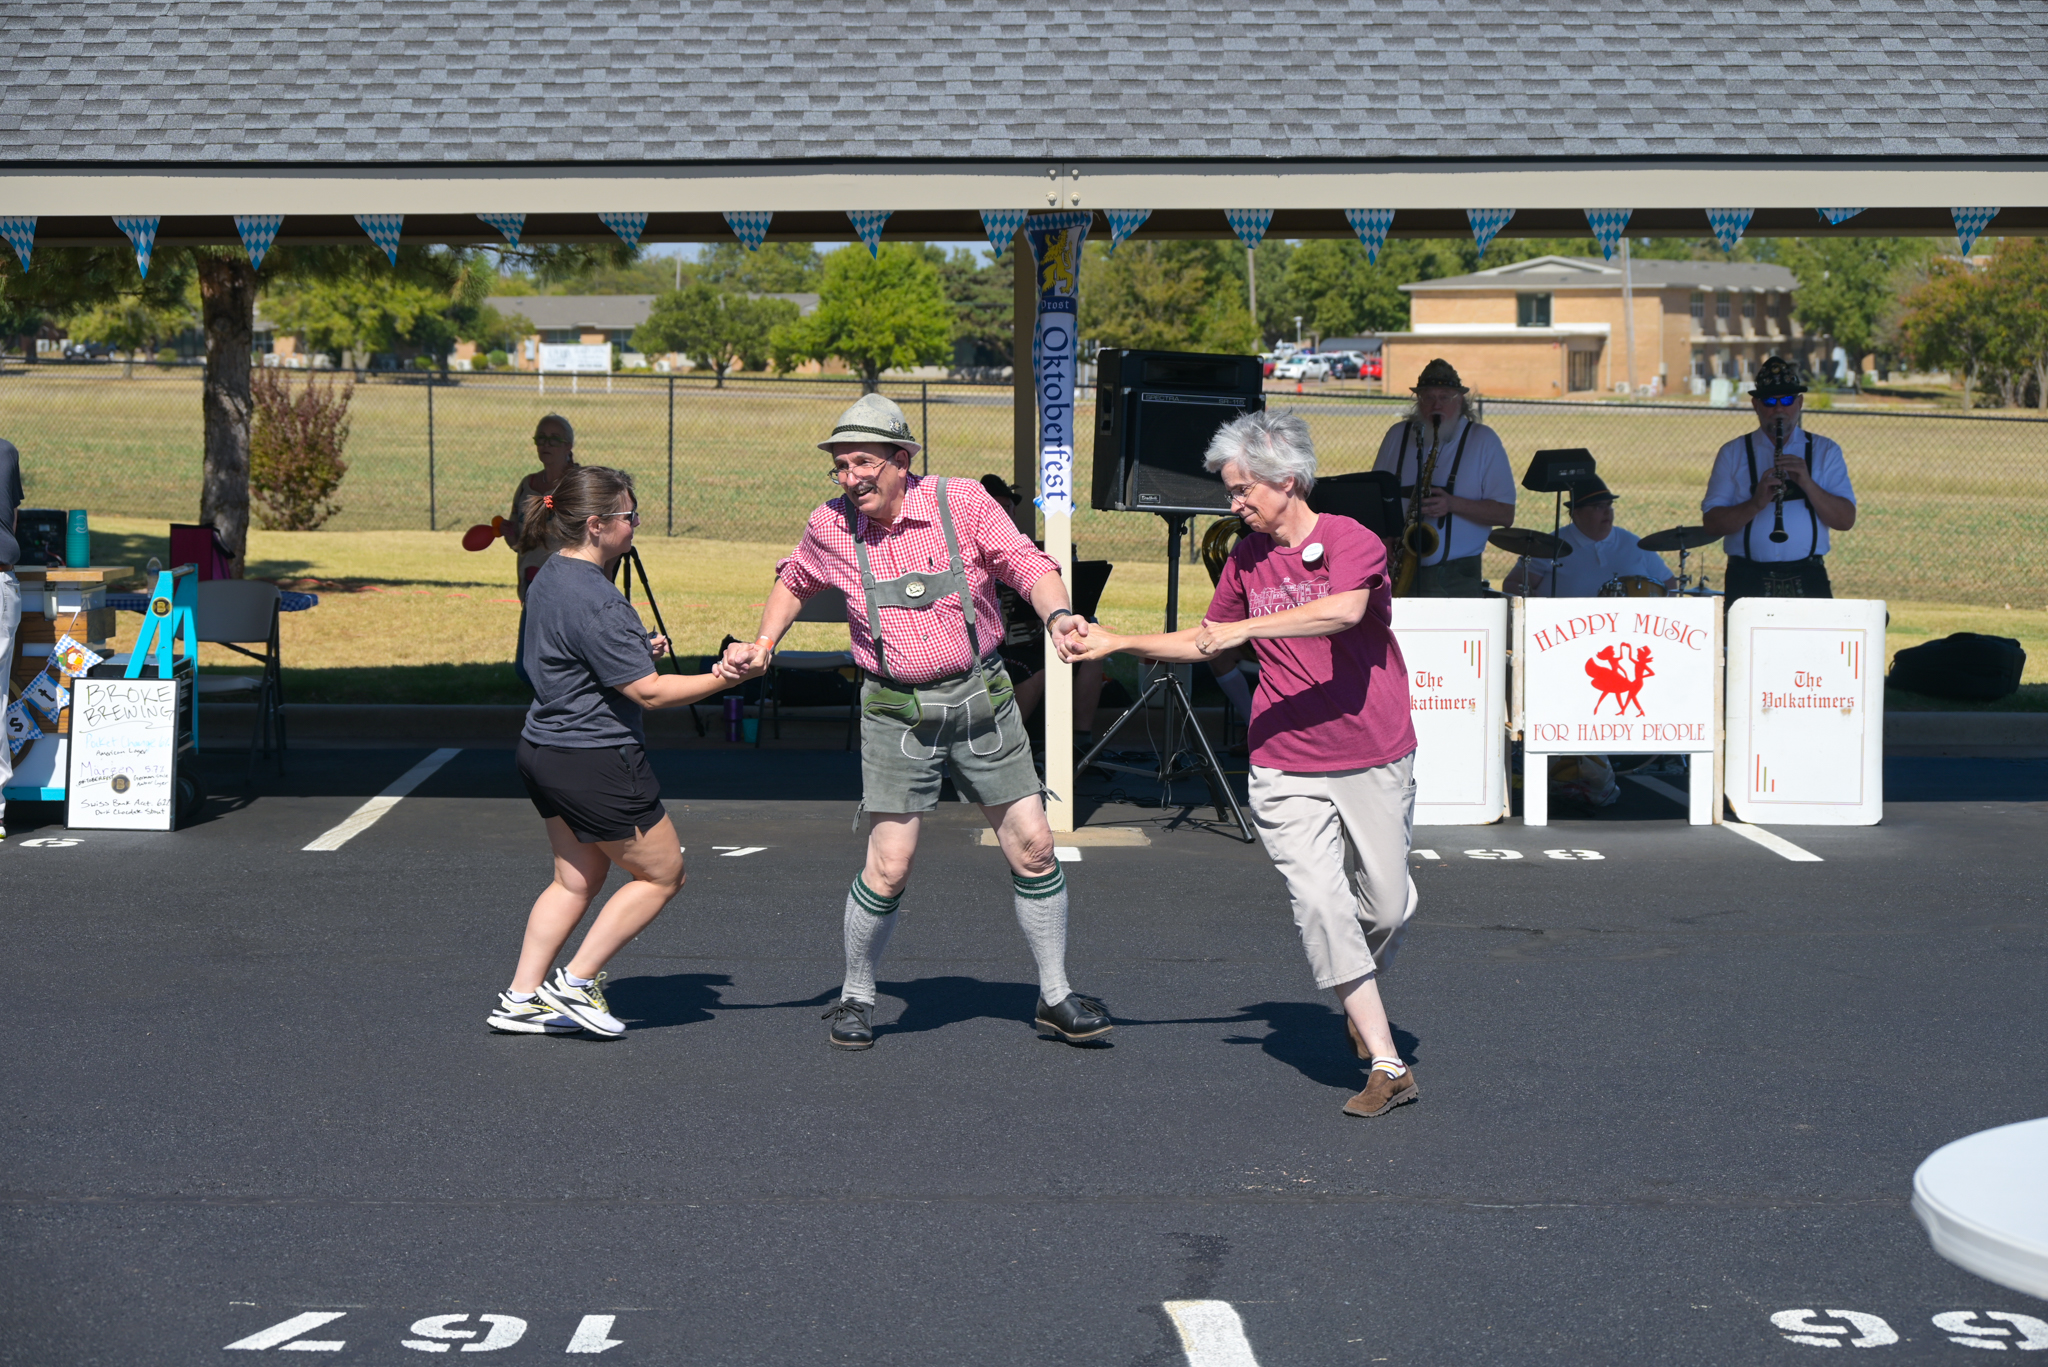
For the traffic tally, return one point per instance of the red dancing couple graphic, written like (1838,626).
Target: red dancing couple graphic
(1609,673)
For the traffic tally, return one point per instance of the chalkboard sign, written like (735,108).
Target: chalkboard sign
(124,753)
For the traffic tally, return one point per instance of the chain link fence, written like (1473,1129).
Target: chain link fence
(1951,506)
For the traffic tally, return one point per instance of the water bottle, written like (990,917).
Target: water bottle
(77,541)
(735,715)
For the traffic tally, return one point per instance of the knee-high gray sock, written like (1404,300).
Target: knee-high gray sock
(869,919)
(1234,687)
(1042,912)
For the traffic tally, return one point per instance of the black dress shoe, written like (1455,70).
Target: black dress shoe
(850,1028)
(1076,1018)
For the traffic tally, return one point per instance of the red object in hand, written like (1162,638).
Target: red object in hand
(483,534)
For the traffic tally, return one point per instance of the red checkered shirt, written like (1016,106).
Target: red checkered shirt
(929,643)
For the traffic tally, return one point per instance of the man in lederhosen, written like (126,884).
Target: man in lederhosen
(1741,505)
(1471,491)
(918,560)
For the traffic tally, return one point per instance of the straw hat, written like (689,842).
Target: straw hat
(872,418)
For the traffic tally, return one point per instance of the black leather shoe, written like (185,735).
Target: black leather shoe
(850,1028)
(1076,1018)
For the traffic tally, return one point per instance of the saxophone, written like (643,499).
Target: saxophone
(1418,539)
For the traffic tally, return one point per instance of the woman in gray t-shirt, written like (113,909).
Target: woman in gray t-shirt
(581,754)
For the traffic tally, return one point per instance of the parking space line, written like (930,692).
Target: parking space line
(1067,854)
(373,811)
(1211,1334)
(1775,843)
(1662,789)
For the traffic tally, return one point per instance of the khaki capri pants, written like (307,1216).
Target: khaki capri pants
(1341,841)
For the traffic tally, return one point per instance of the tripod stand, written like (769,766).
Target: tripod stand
(1177,760)
(630,562)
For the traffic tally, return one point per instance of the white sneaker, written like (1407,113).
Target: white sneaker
(585,1005)
(534,1017)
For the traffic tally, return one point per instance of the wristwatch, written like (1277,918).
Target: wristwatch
(1055,615)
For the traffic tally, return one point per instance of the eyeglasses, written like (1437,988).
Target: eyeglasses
(860,467)
(552,439)
(1777,400)
(632,519)
(1239,492)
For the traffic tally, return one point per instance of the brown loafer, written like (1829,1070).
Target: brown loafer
(1383,1092)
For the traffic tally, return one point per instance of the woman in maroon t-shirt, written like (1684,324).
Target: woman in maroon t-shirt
(1333,747)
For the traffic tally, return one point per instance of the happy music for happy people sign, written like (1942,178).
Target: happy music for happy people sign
(1619,675)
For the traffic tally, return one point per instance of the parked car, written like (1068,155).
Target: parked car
(1302,366)
(1369,368)
(1344,367)
(1266,364)
(87,351)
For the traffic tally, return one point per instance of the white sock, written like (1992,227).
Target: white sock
(521,997)
(1392,1067)
(1042,912)
(870,920)
(574,981)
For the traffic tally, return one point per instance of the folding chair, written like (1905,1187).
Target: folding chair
(230,612)
(828,605)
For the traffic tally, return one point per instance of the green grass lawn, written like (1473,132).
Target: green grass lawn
(412,617)
(1952,509)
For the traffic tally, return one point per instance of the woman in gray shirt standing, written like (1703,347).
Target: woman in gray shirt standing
(582,753)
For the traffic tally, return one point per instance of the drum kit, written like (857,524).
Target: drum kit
(1527,545)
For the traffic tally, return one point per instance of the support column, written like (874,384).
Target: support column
(1024,426)
(1059,678)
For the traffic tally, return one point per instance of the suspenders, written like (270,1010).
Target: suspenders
(1749,451)
(1443,524)
(919,589)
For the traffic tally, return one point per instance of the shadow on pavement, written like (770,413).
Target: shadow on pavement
(1308,1037)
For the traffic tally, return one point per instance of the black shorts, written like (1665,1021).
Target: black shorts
(606,792)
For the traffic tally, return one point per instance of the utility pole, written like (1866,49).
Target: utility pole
(1297,329)
(1251,285)
(1628,313)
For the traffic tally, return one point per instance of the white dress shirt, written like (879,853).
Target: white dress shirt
(1483,473)
(1592,563)
(1805,533)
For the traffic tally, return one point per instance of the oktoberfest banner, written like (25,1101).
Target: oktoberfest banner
(1056,241)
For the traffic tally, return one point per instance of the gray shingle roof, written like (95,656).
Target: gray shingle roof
(1574,272)
(440,81)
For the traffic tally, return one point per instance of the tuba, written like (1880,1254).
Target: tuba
(1418,539)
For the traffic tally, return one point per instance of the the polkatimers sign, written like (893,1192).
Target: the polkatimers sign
(1619,675)
(1456,653)
(1806,711)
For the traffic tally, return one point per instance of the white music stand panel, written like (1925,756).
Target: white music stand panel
(1806,711)
(1456,653)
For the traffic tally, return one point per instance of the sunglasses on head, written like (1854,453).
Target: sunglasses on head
(1778,400)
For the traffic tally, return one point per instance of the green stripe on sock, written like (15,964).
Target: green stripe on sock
(1041,887)
(872,902)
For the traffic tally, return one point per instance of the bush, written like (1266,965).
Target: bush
(499,360)
(295,450)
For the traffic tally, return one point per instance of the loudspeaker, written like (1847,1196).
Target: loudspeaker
(1155,414)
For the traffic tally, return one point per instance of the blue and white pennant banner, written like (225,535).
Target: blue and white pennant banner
(1250,225)
(1371,226)
(21,235)
(1609,227)
(141,231)
(868,224)
(750,226)
(509,226)
(384,230)
(1056,241)
(1001,225)
(1486,224)
(258,232)
(1970,225)
(627,226)
(1729,225)
(1122,223)
(1835,216)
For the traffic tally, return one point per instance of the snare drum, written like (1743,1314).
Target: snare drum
(1631,586)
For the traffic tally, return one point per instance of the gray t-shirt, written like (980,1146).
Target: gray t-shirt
(583,642)
(10,500)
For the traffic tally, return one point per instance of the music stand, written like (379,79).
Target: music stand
(1556,471)
(1180,714)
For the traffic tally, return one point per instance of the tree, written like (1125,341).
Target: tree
(2018,281)
(981,294)
(1167,296)
(777,268)
(874,313)
(713,327)
(1848,287)
(1948,322)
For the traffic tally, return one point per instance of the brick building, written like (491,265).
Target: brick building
(1555,326)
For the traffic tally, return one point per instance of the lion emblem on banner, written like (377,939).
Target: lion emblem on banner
(1056,276)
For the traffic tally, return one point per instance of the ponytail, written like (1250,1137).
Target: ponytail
(561,517)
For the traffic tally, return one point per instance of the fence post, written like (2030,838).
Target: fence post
(433,524)
(672,449)
(924,422)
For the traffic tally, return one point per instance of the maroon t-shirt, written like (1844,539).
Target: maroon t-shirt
(1325,703)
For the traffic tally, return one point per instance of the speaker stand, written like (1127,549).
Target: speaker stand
(1177,759)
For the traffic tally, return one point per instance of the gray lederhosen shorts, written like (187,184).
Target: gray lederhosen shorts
(909,736)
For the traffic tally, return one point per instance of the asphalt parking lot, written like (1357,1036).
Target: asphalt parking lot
(1674,1085)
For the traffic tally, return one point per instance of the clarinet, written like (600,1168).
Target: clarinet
(1778,499)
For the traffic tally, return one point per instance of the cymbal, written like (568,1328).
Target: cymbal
(1525,541)
(1677,539)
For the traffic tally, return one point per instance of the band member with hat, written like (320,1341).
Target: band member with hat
(919,560)
(1775,546)
(1600,551)
(1472,489)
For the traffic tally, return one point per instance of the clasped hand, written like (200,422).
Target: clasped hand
(743,660)
(1212,637)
